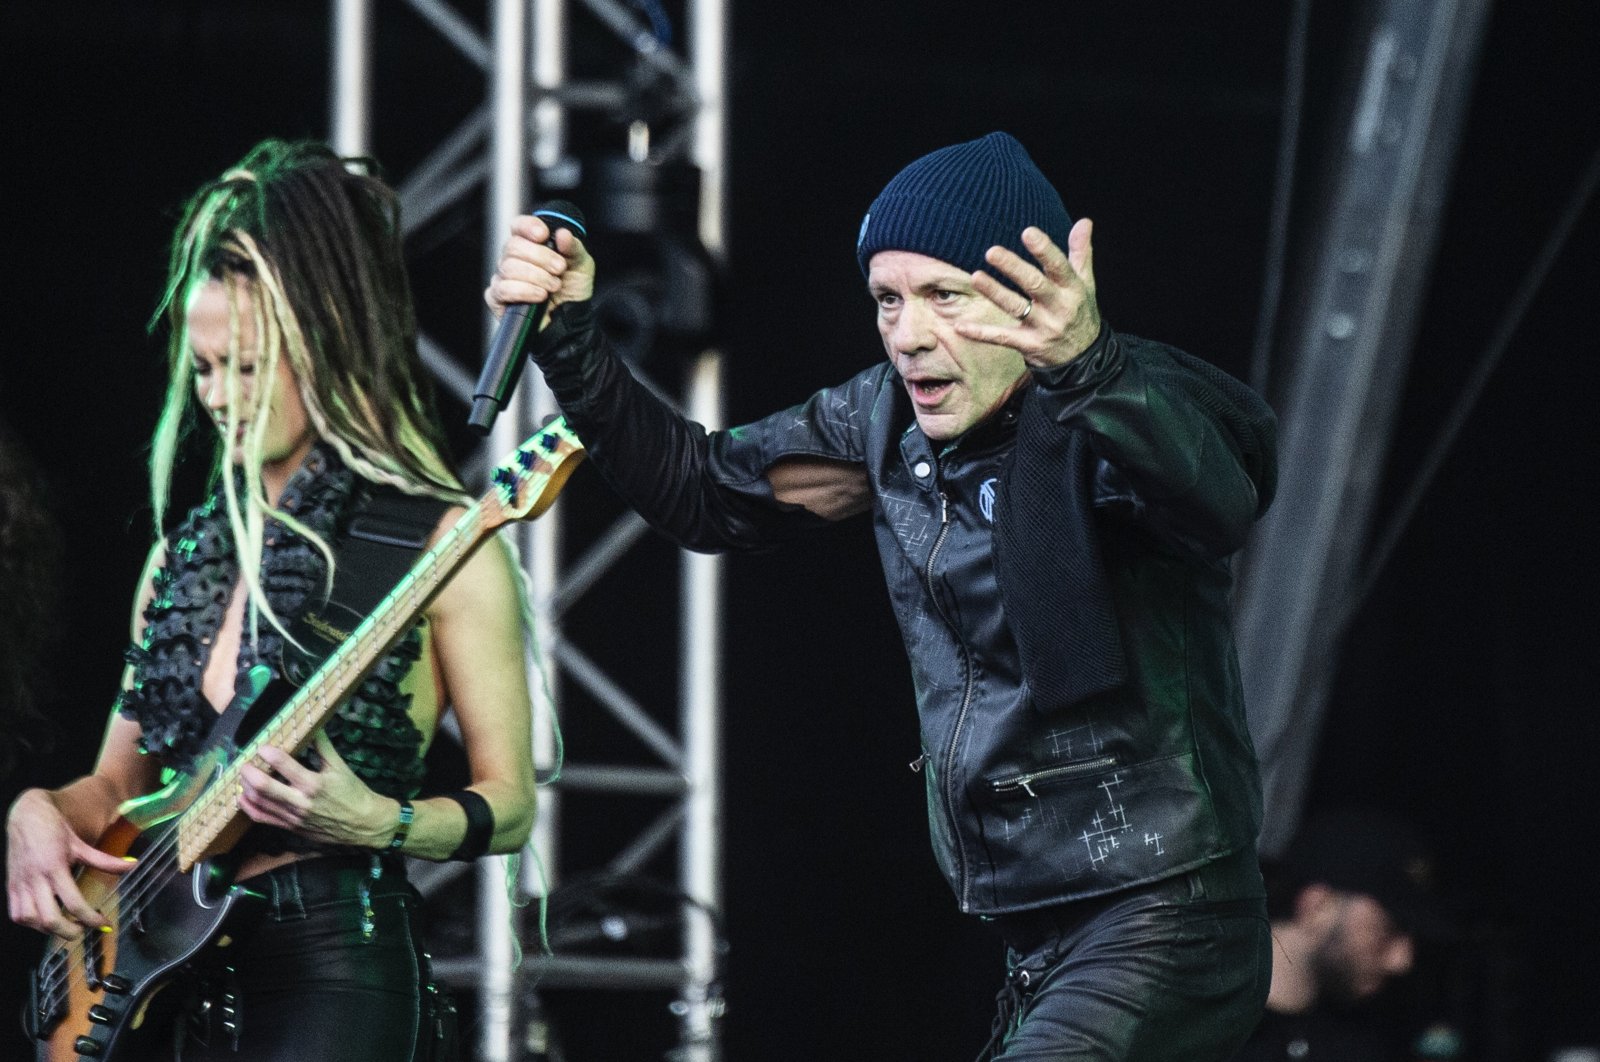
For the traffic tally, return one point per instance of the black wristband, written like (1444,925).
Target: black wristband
(480,825)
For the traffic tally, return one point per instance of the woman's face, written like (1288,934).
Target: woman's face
(288,429)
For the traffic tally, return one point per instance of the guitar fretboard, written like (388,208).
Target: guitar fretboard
(292,728)
(524,486)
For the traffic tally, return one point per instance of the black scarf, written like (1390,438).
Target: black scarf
(1048,558)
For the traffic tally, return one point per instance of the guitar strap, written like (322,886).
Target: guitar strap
(389,530)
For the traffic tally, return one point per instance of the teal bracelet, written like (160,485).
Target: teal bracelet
(403,827)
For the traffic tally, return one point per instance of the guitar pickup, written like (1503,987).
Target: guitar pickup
(93,958)
(45,1010)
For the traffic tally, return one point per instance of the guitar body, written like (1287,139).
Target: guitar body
(103,995)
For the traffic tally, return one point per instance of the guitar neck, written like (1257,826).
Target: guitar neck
(524,486)
(214,812)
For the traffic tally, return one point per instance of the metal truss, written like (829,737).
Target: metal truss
(521,129)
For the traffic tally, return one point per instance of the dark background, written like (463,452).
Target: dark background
(1465,697)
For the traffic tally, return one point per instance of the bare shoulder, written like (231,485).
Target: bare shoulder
(478,639)
(486,583)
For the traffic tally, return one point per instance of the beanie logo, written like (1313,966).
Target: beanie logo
(986,497)
(861,237)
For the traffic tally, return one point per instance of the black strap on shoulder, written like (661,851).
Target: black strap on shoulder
(384,538)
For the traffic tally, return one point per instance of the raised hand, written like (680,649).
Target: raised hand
(1058,317)
(530,272)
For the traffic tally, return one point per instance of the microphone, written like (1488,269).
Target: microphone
(503,366)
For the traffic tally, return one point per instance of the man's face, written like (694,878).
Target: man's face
(1361,949)
(954,382)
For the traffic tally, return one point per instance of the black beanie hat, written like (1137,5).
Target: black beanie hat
(959,201)
(1368,851)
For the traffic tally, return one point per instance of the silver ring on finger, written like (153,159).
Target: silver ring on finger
(1026,310)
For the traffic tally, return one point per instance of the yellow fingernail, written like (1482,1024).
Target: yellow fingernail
(130,859)
(105,929)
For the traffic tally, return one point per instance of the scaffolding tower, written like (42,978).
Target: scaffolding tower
(519,131)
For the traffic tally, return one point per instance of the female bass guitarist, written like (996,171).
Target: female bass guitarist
(293,336)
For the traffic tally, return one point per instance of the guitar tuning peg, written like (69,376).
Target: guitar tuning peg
(526,459)
(504,477)
(548,442)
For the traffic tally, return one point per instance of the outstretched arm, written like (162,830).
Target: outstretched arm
(699,488)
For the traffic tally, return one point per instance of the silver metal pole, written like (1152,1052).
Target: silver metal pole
(549,74)
(507,196)
(701,1005)
(351,104)
(540,541)
(1350,351)
(701,867)
(708,39)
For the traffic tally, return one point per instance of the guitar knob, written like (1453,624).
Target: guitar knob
(87,1048)
(115,983)
(102,1015)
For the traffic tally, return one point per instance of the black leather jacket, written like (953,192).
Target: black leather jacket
(1030,804)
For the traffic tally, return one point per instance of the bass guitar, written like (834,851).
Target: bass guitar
(102,995)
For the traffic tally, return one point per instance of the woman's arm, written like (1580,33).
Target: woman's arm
(49,832)
(478,643)
(477,648)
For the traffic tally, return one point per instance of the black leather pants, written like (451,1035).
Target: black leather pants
(334,969)
(1176,971)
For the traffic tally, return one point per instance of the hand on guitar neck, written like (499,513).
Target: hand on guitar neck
(330,805)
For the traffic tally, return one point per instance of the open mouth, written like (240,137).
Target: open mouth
(929,392)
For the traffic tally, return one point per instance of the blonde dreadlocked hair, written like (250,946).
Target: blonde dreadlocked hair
(316,240)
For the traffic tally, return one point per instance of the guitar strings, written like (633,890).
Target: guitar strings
(158,866)
(64,954)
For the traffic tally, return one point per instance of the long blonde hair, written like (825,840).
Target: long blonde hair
(316,240)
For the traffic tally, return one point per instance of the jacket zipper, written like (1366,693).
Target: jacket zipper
(966,697)
(1025,782)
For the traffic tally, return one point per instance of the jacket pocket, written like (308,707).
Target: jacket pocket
(1044,776)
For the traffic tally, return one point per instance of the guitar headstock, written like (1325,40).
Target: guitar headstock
(526,483)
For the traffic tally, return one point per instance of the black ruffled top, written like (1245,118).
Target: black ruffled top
(372,729)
